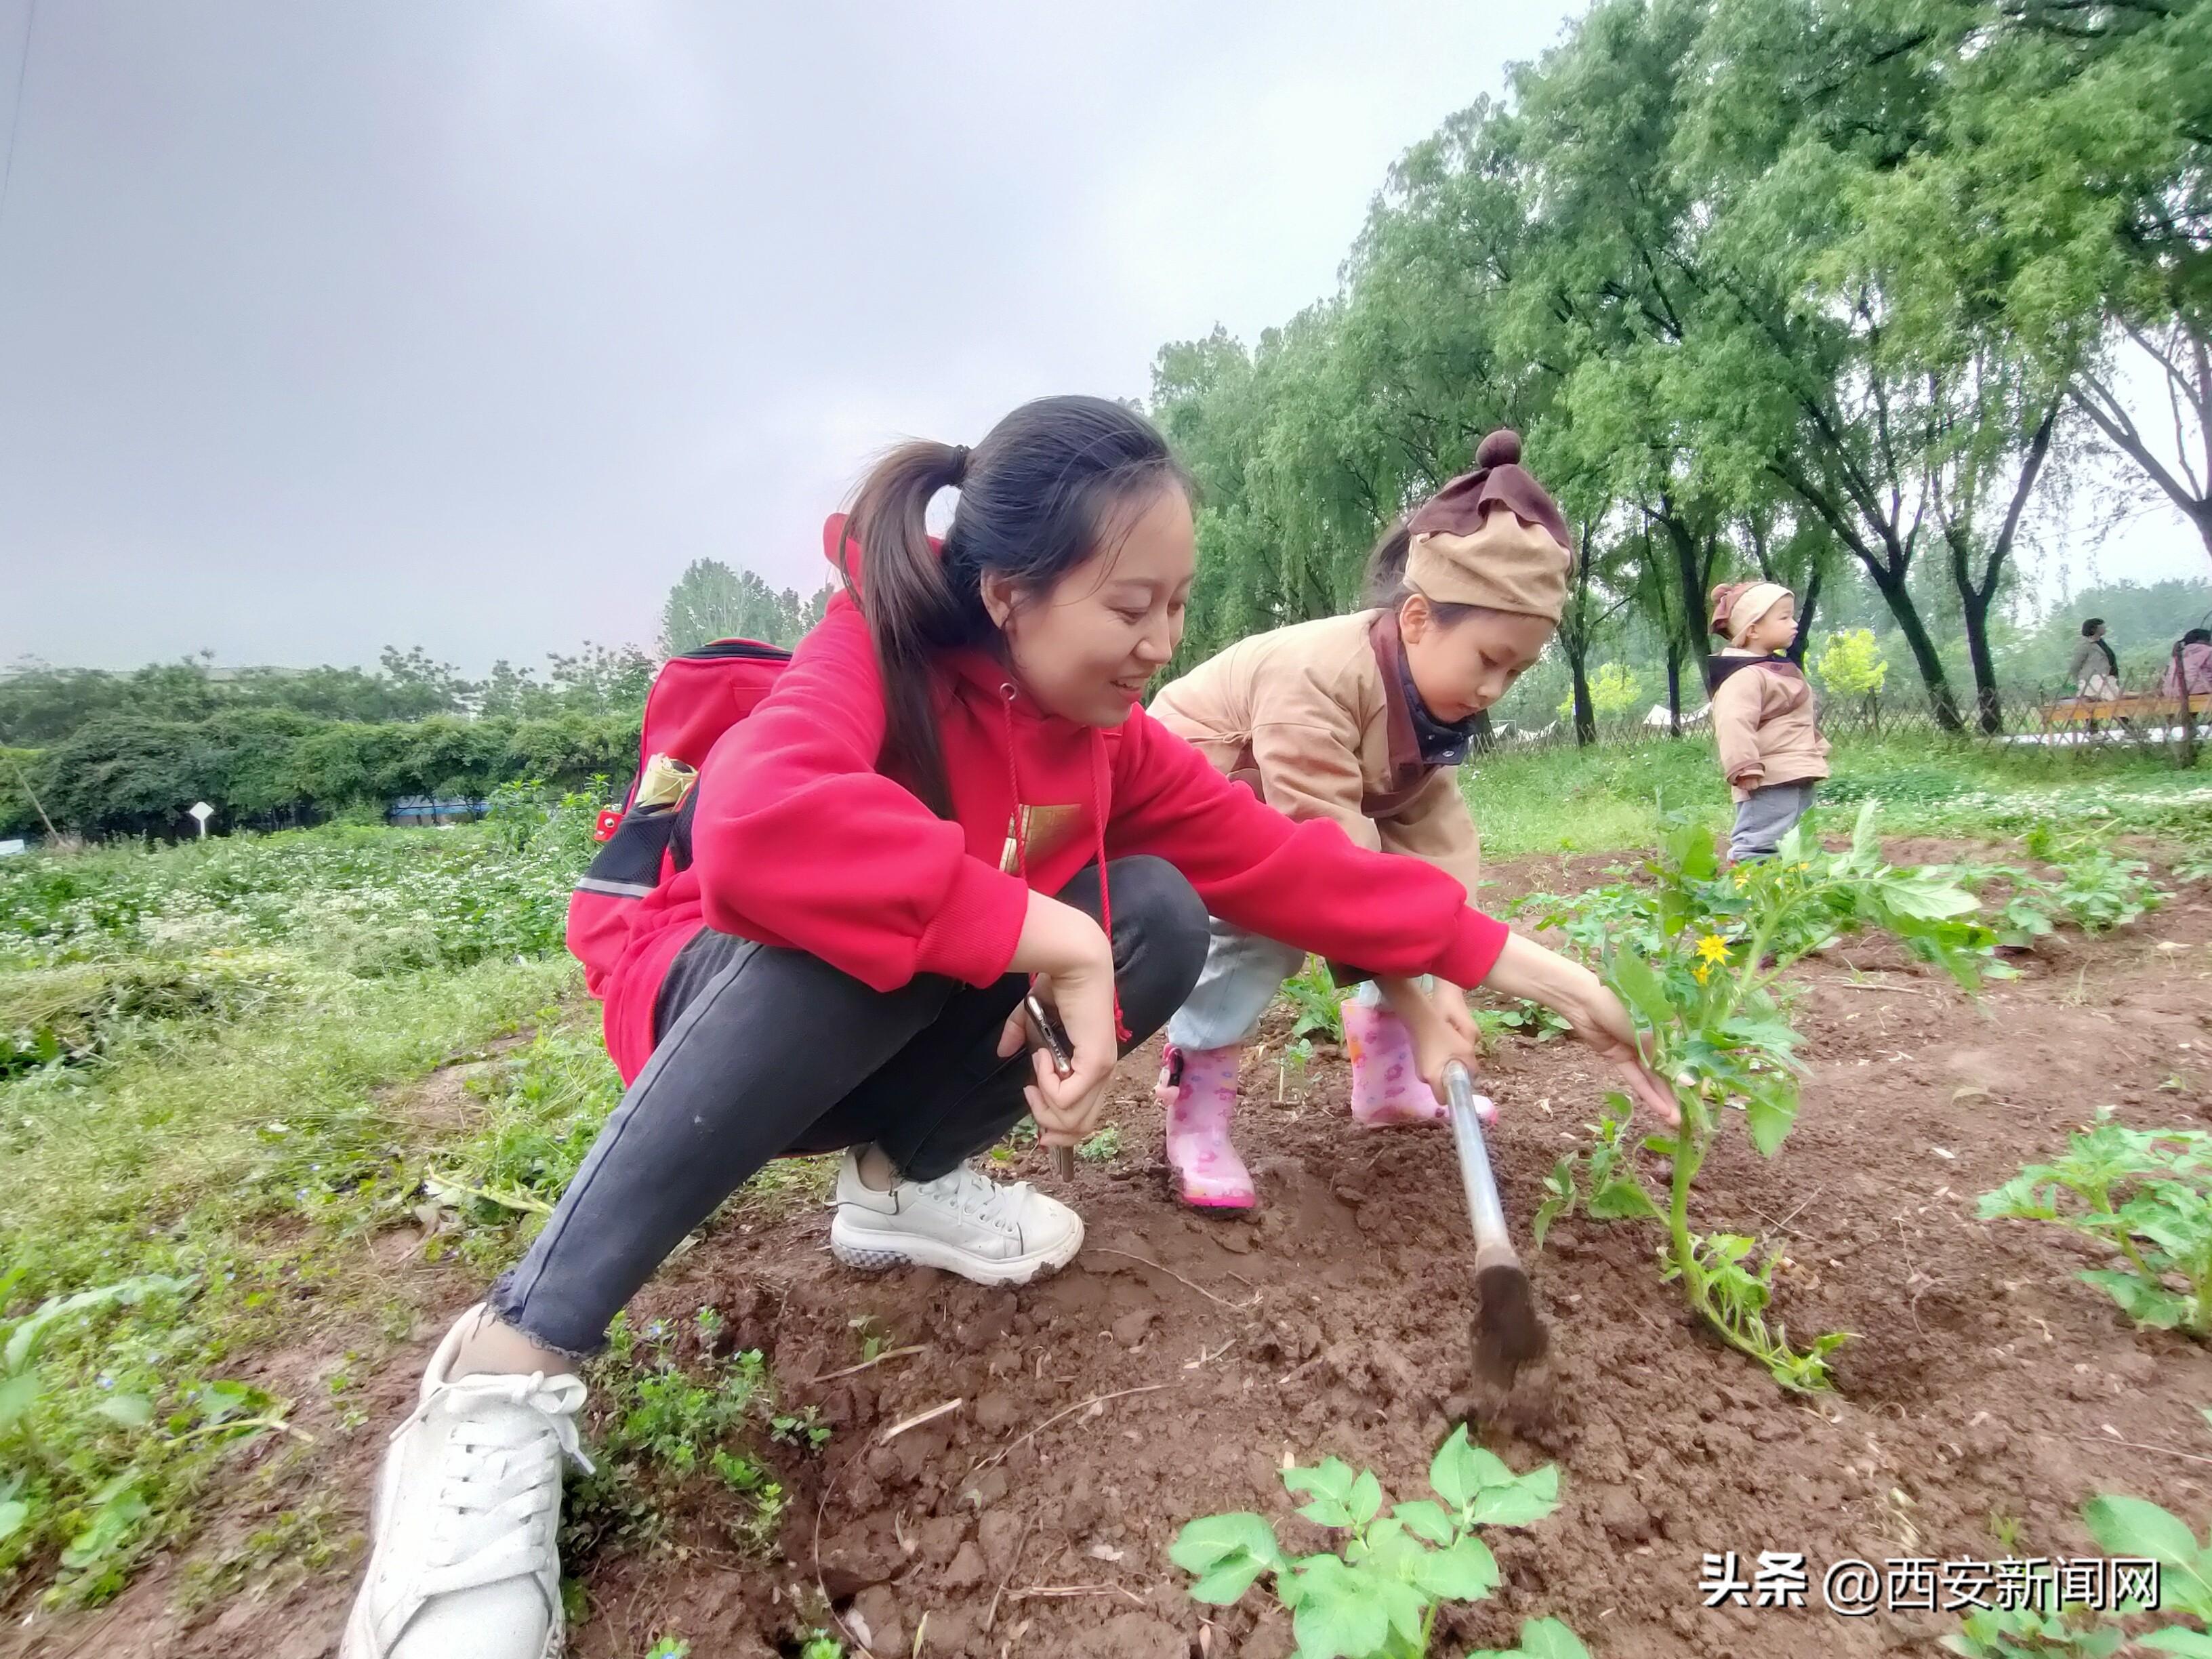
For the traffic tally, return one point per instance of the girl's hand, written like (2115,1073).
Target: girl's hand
(1451,1000)
(1525,969)
(1068,953)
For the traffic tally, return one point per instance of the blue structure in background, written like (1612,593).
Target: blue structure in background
(434,809)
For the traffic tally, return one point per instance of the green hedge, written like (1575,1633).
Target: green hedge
(126,775)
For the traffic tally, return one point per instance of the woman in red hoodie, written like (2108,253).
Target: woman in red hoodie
(952,790)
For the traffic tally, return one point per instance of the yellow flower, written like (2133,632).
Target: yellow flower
(1713,948)
(1703,972)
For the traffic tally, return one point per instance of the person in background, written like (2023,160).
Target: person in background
(2193,672)
(1362,721)
(1772,751)
(2094,670)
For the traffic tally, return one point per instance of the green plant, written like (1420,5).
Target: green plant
(1613,690)
(660,1425)
(668,1647)
(1315,1001)
(1698,954)
(1850,664)
(804,1429)
(1103,1147)
(2030,1633)
(2130,1528)
(2144,1194)
(1377,1597)
(820,1644)
(1521,1018)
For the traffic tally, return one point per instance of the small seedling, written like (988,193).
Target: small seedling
(1377,1597)
(2144,1194)
(1317,1005)
(1103,1147)
(804,1429)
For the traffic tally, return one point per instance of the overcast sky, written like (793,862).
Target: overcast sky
(472,325)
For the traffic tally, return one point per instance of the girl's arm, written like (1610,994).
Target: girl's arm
(1303,883)
(1735,727)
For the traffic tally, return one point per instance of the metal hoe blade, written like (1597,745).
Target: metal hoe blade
(1508,1332)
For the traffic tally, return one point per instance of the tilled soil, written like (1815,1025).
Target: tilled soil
(1183,1360)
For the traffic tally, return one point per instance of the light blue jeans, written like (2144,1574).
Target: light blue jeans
(1242,975)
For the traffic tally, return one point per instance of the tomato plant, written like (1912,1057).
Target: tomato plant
(1698,953)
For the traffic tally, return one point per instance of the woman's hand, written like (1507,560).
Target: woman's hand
(1074,964)
(1525,969)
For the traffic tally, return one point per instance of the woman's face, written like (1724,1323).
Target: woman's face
(1462,668)
(1086,649)
(1774,630)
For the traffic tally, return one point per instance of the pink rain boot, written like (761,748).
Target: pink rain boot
(1386,1086)
(1198,1086)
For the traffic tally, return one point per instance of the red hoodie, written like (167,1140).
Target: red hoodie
(799,840)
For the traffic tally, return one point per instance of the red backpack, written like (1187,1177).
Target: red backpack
(695,698)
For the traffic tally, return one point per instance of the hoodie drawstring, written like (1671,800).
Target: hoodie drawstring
(1099,830)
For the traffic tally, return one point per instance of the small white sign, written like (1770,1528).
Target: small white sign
(202,812)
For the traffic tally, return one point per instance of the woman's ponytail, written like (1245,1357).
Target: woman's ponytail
(908,605)
(1053,483)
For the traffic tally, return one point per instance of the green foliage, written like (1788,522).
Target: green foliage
(1377,1597)
(211,1029)
(77,1465)
(1613,690)
(1103,1147)
(660,1424)
(2097,889)
(1521,1018)
(129,775)
(1850,664)
(2123,1526)
(1317,1005)
(710,601)
(2144,1194)
(1697,954)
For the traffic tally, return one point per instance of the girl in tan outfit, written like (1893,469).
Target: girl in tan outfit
(1362,719)
(1763,715)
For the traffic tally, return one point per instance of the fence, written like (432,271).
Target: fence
(2143,717)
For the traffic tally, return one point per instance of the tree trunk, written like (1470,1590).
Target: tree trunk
(1805,613)
(1674,688)
(1586,710)
(1988,713)
(1899,598)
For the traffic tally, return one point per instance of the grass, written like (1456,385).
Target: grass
(209,1062)
(1604,799)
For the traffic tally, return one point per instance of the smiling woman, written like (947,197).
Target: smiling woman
(950,804)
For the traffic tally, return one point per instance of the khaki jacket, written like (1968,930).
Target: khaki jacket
(1311,717)
(1763,720)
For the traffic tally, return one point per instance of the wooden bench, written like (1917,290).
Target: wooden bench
(2141,707)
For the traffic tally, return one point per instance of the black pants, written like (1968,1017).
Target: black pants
(762,1053)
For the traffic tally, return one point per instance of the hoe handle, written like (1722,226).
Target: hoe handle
(1493,1243)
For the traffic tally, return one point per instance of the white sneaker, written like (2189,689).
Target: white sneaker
(961,1222)
(463,1559)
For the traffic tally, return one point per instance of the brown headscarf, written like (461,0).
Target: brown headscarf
(1462,551)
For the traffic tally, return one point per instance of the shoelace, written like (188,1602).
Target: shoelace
(975,1196)
(499,1494)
